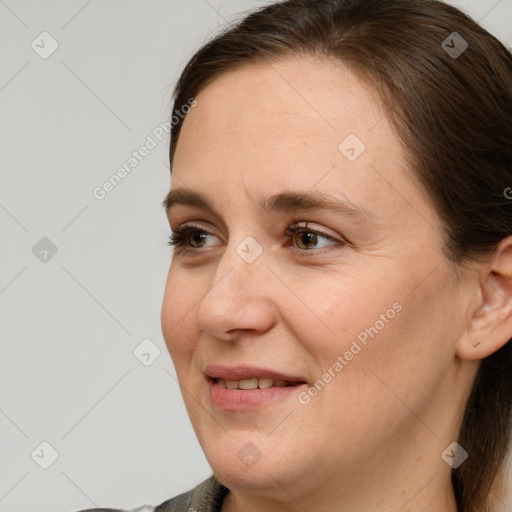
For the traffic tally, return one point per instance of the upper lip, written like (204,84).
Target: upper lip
(247,372)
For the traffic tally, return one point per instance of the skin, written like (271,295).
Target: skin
(372,438)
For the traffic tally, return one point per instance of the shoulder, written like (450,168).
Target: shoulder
(145,508)
(205,497)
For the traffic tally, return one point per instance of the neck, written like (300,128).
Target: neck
(404,472)
(418,494)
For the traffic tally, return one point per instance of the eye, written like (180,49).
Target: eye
(307,239)
(189,237)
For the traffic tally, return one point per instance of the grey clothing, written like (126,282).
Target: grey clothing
(205,497)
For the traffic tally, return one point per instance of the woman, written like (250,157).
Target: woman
(339,303)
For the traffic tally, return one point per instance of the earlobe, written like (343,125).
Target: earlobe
(490,327)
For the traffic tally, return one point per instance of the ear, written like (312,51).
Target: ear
(490,327)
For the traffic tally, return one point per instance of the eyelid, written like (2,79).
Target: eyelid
(295,223)
(198,226)
(297,227)
(291,230)
(316,229)
(194,226)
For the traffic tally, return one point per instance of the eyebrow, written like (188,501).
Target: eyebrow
(277,203)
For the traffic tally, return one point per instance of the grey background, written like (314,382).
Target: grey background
(70,324)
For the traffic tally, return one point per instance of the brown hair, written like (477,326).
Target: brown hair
(453,115)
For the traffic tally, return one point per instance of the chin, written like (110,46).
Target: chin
(250,461)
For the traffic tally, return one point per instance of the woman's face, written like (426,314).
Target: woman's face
(357,310)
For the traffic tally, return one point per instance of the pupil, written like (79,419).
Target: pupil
(308,238)
(197,237)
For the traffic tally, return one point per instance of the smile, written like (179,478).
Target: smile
(254,383)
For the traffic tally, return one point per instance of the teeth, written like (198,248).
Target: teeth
(248,383)
(265,383)
(254,383)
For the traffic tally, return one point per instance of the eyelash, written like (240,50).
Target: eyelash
(178,237)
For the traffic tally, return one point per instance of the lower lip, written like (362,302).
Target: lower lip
(245,399)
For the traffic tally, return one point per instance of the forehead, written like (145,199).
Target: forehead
(289,97)
(266,127)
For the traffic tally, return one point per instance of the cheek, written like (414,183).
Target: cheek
(413,353)
(177,320)
(349,309)
(378,329)
(376,369)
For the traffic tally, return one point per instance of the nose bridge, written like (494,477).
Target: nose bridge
(239,296)
(242,268)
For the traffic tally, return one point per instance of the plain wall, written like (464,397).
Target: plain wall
(70,321)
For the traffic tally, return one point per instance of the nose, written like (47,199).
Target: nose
(240,298)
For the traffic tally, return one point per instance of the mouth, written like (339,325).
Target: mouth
(245,388)
(255,383)
(250,377)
